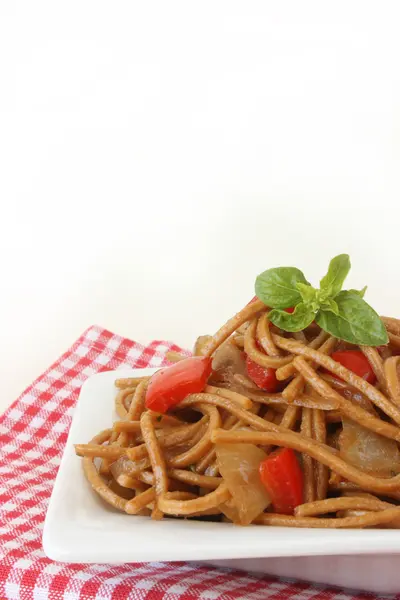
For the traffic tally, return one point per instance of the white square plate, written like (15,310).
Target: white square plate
(80,527)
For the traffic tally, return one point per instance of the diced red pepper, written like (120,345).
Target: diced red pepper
(263,377)
(282,477)
(171,385)
(355,361)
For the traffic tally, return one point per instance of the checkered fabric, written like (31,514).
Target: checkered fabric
(33,433)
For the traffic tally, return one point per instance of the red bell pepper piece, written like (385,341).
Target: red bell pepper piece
(282,477)
(264,377)
(171,385)
(355,361)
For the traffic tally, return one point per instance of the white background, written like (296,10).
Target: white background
(155,156)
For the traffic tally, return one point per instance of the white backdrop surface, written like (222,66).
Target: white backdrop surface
(155,156)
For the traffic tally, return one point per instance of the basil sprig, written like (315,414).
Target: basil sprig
(343,314)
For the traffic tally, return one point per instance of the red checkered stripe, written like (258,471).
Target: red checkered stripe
(33,433)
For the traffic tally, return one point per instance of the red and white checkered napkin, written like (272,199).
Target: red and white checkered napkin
(33,433)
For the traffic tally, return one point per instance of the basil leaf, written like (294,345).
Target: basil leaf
(277,287)
(331,305)
(333,281)
(301,318)
(356,323)
(308,293)
(360,293)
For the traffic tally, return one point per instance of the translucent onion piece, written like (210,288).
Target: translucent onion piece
(239,466)
(229,510)
(229,358)
(368,450)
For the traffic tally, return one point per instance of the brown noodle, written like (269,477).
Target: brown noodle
(156,464)
(308,463)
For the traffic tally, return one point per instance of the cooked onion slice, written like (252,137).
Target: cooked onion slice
(368,450)
(229,358)
(239,466)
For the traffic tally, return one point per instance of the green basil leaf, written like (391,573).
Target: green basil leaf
(356,323)
(360,293)
(333,281)
(331,305)
(301,318)
(308,293)
(277,287)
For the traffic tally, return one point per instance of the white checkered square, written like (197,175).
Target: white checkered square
(46,442)
(35,510)
(26,494)
(60,426)
(15,414)
(38,553)
(134,353)
(209,595)
(8,448)
(53,569)
(23,563)
(162,348)
(156,361)
(88,371)
(83,575)
(54,374)
(92,334)
(37,422)
(12,591)
(12,544)
(17,521)
(177,589)
(42,385)
(40,593)
(81,351)
(113,343)
(30,397)
(77,382)
(50,405)
(70,411)
(102,359)
(67,364)
(33,454)
(28,536)
(63,393)
(70,596)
